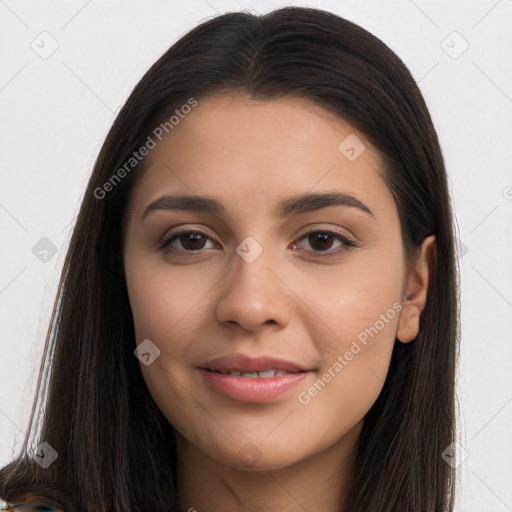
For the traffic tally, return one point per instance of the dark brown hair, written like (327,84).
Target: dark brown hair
(116,451)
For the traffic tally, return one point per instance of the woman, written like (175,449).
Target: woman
(259,303)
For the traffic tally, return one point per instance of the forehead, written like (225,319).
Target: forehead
(233,145)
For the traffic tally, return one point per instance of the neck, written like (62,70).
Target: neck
(319,482)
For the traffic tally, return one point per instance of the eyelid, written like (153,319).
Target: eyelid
(348,241)
(344,233)
(183,229)
(165,241)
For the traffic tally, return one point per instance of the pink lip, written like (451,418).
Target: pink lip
(259,389)
(246,363)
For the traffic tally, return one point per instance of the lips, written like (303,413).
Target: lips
(262,374)
(250,365)
(244,378)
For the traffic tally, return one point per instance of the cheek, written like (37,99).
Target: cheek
(356,354)
(355,362)
(359,313)
(163,312)
(361,301)
(165,305)
(168,308)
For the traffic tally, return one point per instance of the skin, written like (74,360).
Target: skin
(287,303)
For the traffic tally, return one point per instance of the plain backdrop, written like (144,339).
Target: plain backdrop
(67,67)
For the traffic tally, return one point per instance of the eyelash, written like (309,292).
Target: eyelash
(165,243)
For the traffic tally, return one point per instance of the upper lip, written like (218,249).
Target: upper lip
(246,363)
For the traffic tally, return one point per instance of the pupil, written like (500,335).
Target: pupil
(319,241)
(193,239)
(322,238)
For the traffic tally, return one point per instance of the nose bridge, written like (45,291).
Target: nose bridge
(250,250)
(255,249)
(250,268)
(252,295)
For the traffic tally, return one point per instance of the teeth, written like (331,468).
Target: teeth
(254,375)
(267,373)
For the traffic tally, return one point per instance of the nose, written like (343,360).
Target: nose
(253,295)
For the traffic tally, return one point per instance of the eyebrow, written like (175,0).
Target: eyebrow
(289,206)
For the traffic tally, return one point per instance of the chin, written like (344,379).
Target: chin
(253,454)
(256,461)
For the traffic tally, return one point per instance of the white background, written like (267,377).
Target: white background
(56,112)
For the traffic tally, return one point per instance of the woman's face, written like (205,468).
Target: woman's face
(295,263)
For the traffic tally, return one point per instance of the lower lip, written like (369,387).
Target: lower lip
(246,389)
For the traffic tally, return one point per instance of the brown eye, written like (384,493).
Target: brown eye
(191,241)
(185,241)
(320,241)
(323,243)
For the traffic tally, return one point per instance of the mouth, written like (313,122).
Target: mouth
(252,367)
(254,387)
(262,374)
(245,378)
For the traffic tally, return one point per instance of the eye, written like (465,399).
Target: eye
(321,241)
(188,240)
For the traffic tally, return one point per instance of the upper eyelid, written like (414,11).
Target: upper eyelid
(298,237)
(302,233)
(307,229)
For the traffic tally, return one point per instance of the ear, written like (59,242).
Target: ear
(420,270)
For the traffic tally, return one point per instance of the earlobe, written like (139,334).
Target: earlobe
(420,272)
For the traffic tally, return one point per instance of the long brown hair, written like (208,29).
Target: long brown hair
(116,451)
